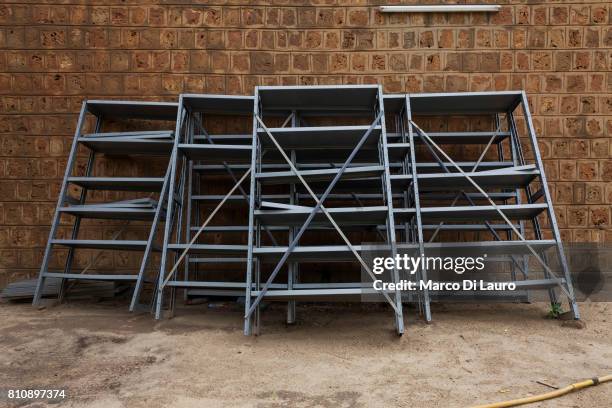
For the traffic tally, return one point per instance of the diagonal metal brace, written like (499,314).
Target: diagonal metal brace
(197,234)
(505,218)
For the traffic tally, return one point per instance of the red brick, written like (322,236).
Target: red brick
(522,13)
(262,62)
(559,15)
(426,39)
(574,38)
(359,62)
(252,16)
(575,83)
(445,39)
(358,17)
(503,16)
(599,14)
(339,63)
(579,15)
(456,83)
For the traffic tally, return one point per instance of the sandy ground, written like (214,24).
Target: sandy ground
(338,356)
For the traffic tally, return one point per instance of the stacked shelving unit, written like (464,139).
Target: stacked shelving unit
(330,139)
(79,197)
(211,265)
(474,190)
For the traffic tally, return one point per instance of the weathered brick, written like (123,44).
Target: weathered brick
(579,15)
(433,83)
(252,16)
(432,63)
(397,62)
(358,17)
(503,17)
(426,39)
(575,83)
(262,62)
(332,40)
(445,39)
(559,15)
(456,83)
(556,38)
(339,63)
(574,38)
(591,38)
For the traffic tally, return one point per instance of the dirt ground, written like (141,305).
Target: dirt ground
(335,356)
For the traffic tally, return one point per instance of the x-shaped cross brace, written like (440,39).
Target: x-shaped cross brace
(319,206)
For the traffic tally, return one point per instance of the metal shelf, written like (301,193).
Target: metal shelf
(320,137)
(84,276)
(216,153)
(122,245)
(219,104)
(323,98)
(133,109)
(475,213)
(465,166)
(224,139)
(324,253)
(208,200)
(137,135)
(457,181)
(464,138)
(136,209)
(210,249)
(128,146)
(213,284)
(464,103)
(343,216)
(288,177)
(119,183)
(487,247)
(310,295)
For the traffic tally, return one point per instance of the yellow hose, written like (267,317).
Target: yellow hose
(549,395)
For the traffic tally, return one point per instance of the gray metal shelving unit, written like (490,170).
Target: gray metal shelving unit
(144,143)
(312,132)
(199,250)
(500,192)
(426,173)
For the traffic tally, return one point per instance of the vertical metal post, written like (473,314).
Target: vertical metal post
(520,160)
(501,158)
(188,220)
(77,222)
(60,202)
(551,211)
(249,271)
(170,208)
(399,317)
(258,195)
(537,229)
(179,215)
(292,272)
(408,226)
(417,205)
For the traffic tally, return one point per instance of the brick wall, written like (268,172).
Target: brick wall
(53,56)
